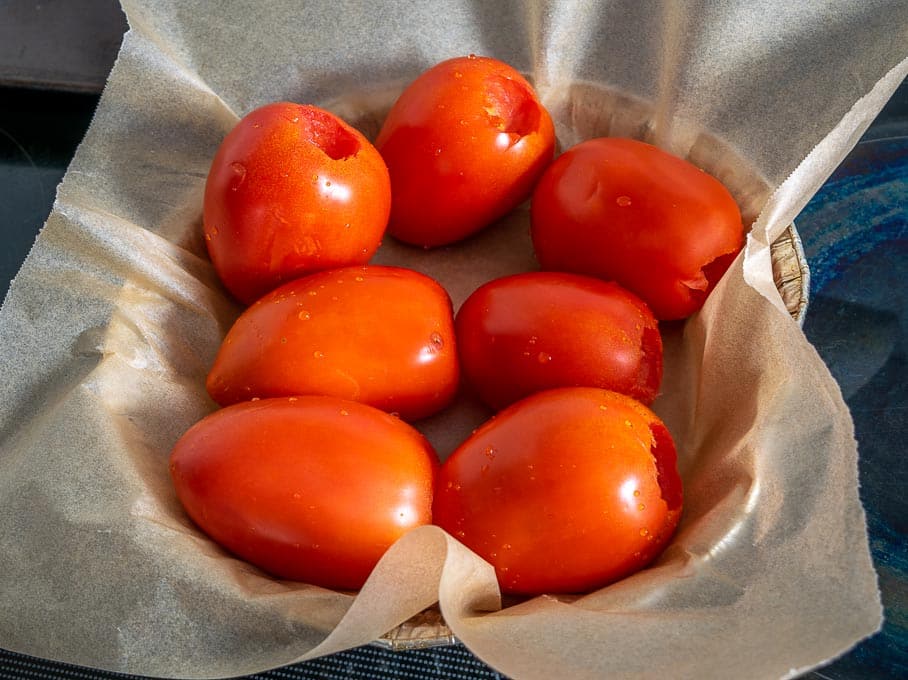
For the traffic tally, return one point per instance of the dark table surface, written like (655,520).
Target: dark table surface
(855,235)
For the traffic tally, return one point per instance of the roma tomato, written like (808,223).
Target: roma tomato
(311,489)
(464,144)
(529,332)
(627,211)
(564,491)
(383,336)
(292,189)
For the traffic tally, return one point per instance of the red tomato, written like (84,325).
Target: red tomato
(529,332)
(293,189)
(464,144)
(627,211)
(565,491)
(383,336)
(311,489)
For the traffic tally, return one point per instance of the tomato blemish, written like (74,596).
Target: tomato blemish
(665,456)
(512,109)
(324,131)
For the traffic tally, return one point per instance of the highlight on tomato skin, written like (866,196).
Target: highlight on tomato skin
(528,332)
(627,211)
(565,491)
(464,143)
(292,189)
(311,489)
(383,336)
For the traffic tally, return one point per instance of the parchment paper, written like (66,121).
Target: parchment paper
(110,327)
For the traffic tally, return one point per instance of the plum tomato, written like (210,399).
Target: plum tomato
(464,144)
(292,189)
(624,210)
(383,336)
(565,491)
(529,332)
(310,489)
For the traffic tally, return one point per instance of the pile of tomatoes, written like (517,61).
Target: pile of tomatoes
(315,466)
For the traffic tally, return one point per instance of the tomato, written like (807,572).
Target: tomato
(311,489)
(564,491)
(528,332)
(464,145)
(292,189)
(383,336)
(627,211)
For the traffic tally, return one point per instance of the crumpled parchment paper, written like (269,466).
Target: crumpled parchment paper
(110,327)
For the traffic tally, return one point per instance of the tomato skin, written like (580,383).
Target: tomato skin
(626,211)
(292,189)
(529,332)
(464,144)
(383,336)
(564,491)
(311,489)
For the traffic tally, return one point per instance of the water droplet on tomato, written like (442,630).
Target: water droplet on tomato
(490,452)
(297,495)
(623,201)
(636,492)
(641,507)
(313,293)
(304,315)
(344,412)
(458,74)
(318,354)
(543,358)
(358,278)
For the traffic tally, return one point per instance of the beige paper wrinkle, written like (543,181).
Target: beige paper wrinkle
(112,323)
